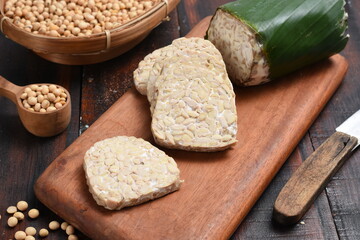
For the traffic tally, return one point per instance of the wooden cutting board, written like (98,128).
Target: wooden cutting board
(219,188)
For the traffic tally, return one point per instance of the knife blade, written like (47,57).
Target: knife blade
(351,126)
(311,177)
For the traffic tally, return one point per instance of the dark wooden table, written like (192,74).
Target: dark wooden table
(94,88)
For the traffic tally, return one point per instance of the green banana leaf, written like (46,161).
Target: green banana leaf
(294,33)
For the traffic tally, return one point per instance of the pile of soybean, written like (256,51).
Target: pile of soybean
(17,213)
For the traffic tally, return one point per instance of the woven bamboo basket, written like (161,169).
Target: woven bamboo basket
(93,49)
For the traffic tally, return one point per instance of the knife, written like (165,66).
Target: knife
(314,173)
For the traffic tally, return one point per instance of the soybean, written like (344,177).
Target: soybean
(22,205)
(12,221)
(83,18)
(43,232)
(33,213)
(11,210)
(31,231)
(54,225)
(19,215)
(20,235)
(42,98)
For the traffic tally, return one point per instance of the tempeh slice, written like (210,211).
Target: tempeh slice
(125,171)
(148,71)
(142,73)
(199,59)
(194,107)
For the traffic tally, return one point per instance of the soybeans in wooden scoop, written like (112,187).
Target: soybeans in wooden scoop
(46,120)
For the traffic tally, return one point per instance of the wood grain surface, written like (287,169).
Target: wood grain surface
(272,120)
(94,88)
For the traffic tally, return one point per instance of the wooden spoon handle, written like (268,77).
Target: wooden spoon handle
(9,90)
(311,178)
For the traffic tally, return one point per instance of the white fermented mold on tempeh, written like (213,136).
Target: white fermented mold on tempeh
(149,68)
(125,171)
(192,99)
(241,51)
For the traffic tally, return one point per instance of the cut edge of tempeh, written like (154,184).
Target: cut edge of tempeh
(245,61)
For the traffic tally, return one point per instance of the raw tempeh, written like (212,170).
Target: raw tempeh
(147,71)
(125,171)
(191,98)
(242,53)
(186,56)
(194,106)
(261,40)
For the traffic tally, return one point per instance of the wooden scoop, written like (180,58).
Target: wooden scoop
(40,124)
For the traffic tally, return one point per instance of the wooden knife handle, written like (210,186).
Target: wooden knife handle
(311,178)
